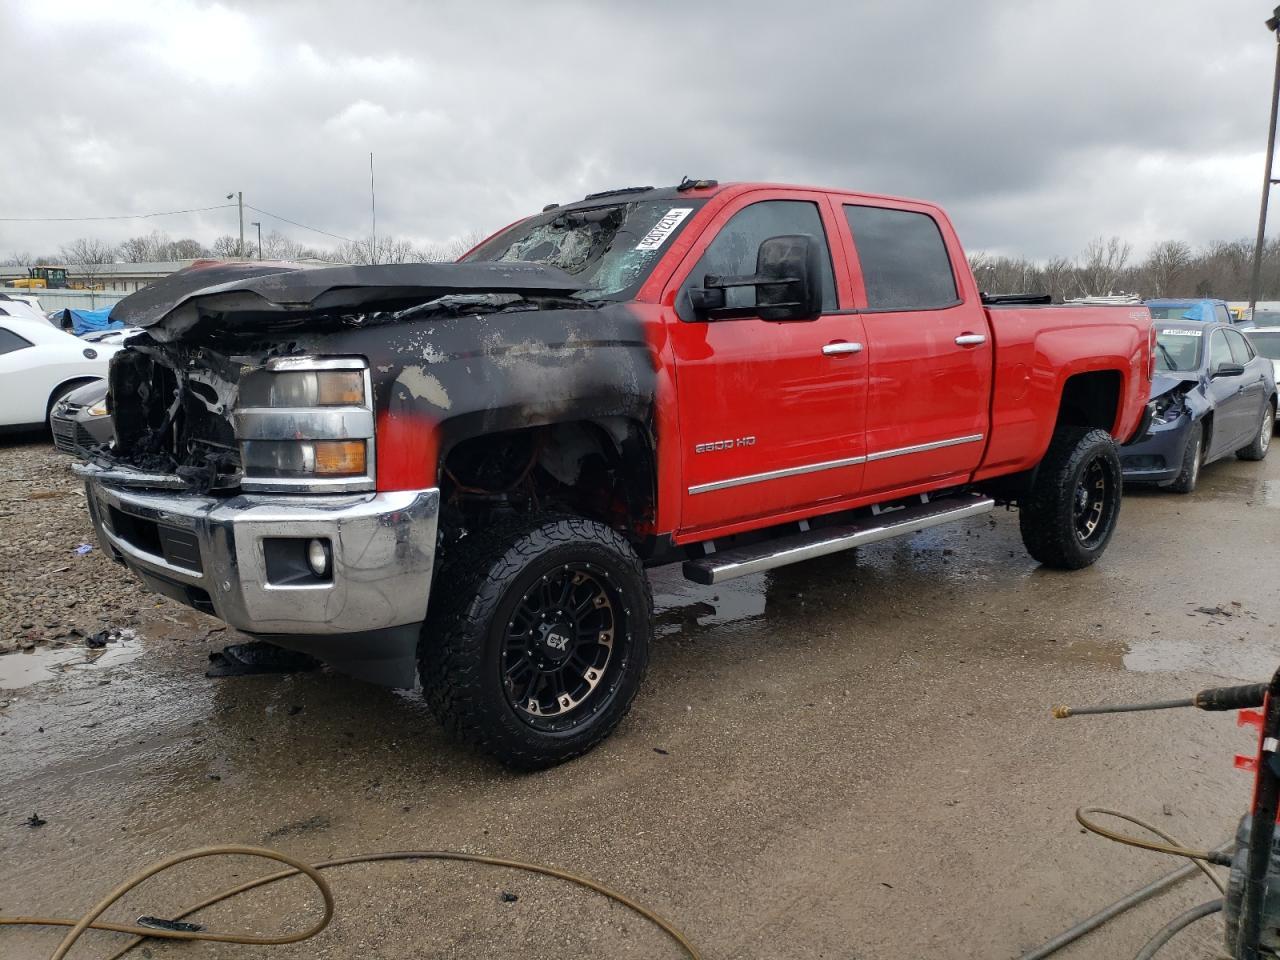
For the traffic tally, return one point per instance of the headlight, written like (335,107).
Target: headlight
(297,388)
(99,409)
(305,424)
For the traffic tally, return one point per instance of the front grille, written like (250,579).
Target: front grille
(64,434)
(177,546)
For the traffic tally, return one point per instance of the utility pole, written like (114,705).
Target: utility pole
(1273,25)
(373,216)
(239,195)
(258,224)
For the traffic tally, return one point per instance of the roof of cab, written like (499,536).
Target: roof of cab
(674,192)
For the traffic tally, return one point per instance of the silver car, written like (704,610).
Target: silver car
(80,420)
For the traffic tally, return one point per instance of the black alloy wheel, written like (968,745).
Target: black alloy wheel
(558,653)
(537,638)
(1091,498)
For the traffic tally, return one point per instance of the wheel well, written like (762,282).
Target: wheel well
(1206,425)
(65,387)
(1090,400)
(600,469)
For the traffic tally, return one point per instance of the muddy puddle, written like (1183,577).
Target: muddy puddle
(25,668)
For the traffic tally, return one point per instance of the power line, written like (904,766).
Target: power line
(123,216)
(276,216)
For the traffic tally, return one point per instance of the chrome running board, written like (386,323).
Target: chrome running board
(792,548)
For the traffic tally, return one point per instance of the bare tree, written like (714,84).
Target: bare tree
(186,249)
(1058,276)
(1101,265)
(86,257)
(1165,265)
(226,247)
(158,246)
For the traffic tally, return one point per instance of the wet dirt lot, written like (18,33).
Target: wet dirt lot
(851,758)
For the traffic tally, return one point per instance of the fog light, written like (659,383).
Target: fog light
(318,557)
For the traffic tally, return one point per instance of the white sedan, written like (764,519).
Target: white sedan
(38,364)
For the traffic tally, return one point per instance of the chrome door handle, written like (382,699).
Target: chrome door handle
(970,339)
(835,349)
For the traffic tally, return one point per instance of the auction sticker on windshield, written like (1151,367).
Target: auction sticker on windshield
(664,228)
(1175,332)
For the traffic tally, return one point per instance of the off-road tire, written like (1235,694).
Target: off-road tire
(1192,461)
(1047,515)
(473,599)
(1257,450)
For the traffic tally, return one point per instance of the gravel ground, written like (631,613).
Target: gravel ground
(50,592)
(849,758)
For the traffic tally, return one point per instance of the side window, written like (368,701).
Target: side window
(1220,313)
(10,341)
(733,251)
(1241,352)
(904,261)
(1219,352)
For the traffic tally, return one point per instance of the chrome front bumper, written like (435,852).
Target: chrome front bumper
(209,552)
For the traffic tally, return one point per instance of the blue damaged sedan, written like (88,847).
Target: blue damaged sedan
(1212,396)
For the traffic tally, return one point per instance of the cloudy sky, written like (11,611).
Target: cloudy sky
(1039,125)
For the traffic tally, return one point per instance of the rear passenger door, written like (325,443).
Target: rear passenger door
(1233,412)
(929,349)
(1254,385)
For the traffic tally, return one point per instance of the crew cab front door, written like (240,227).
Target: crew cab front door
(928,345)
(771,412)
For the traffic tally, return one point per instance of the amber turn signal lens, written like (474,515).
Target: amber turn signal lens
(340,388)
(336,458)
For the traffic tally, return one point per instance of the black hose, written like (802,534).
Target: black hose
(1088,925)
(1176,926)
(1261,833)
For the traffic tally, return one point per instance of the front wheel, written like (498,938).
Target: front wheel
(1070,513)
(1257,450)
(537,638)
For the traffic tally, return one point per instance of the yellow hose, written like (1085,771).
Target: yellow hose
(90,920)
(1202,858)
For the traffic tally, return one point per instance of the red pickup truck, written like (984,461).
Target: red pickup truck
(457,473)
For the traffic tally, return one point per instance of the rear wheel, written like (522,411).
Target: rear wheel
(1069,515)
(537,639)
(1257,450)
(1192,458)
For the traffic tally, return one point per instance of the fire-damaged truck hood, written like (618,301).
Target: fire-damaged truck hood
(264,295)
(454,351)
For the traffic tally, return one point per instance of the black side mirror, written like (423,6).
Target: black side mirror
(1227,370)
(787,282)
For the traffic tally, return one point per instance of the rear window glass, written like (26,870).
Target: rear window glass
(1186,311)
(904,261)
(10,341)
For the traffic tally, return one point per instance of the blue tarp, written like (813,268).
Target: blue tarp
(89,321)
